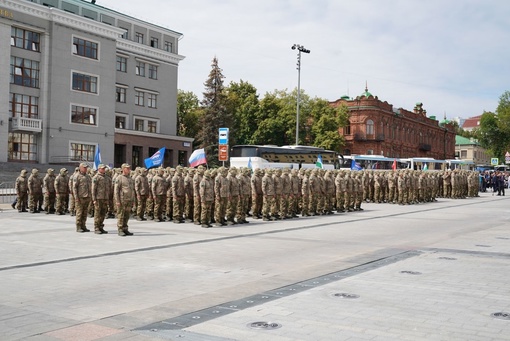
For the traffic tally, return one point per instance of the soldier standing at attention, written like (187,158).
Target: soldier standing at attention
(178,195)
(197,204)
(256,192)
(268,194)
(100,194)
(158,190)
(124,192)
(188,190)
(82,190)
(49,191)
(62,191)
(35,191)
(72,204)
(206,191)
(222,192)
(22,191)
(142,192)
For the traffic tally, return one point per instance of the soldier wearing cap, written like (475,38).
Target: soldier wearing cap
(49,191)
(100,194)
(159,188)
(142,192)
(206,191)
(178,195)
(35,191)
(22,191)
(72,204)
(62,191)
(124,193)
(82,191)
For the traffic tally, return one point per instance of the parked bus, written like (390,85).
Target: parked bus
(293,157)
(372,162)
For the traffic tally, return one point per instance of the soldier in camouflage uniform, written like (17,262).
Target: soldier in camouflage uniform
(340,188)
(329,187)
(142,192)
(244,196)
(197,202)
(268,194)
(295,194)
(124,192)
(35,191)
(100,193)
(72,203)
(49,191)
(82,191)
(305,193)
(222,192)
(188,190)
(159,189)
(22,191)
(111,205)
(62,191)
(206,192)
(278,190)
(314,192)
(178,195)
(169,193)
(256,193)
(234,192)
(286,192)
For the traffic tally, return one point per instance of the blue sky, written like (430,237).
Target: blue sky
(453,56)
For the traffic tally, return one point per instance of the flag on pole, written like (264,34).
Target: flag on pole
(155,160)
(318,164)
(250,166)
(394,165)
(355,165)
(375,165)
(425,167)
(197,158)
(97,158)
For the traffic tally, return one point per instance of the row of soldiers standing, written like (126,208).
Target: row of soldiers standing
(227,196)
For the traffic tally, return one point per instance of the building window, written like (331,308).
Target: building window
(370,152)
(84,48)
(24,72)
(139,124)
(120,122)
(139,98)
(120,94)
(463,154)
(370,127)
(347,128)
(82,152)
(83,115)
(22,147)
(153,71)
(121,64)
(139,37)
(154,42)
(152,126)
(125,35)
(25,39)
(140,69)
(168,46)
(152,100)
(23,106)
(84,83)
(137,155)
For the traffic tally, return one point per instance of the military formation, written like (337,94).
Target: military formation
(227,196)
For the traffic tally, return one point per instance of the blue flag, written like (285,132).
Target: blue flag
(156,160)
(250,166)
(355,165)
(97,158)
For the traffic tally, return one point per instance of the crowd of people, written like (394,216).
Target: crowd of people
(227,196)
(497,181)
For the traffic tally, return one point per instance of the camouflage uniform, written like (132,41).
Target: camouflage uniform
(159,190)
(72,204)
(22,191)
(197,203)
(244,195)
(142,192)
(124,192)
(268,194)
(178,195)
(340,187)
(62,191)
(100,194)
(222,192)
(256,193)
(49,191)
(234,192)
(206,193)
(82,191)
(35,191)
(188,190)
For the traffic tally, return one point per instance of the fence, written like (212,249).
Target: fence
(7,192)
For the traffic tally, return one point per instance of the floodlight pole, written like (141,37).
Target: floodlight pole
(304,50)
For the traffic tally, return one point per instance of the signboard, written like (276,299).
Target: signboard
(223,136)
(223,152)
(494,161)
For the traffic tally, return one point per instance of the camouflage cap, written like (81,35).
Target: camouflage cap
(125,165)
(35,171)
(101,166)
(83,164)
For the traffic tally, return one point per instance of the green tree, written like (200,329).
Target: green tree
(188,114)
(215,114)
(326,121)
(490,135)
(243,104)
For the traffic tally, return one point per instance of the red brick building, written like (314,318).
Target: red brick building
(375,127)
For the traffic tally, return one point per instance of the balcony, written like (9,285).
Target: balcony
(360,137)
(26,124)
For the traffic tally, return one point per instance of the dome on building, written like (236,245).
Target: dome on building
(366,94)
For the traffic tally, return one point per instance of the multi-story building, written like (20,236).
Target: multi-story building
(375,127)
(470,150)
(83,77)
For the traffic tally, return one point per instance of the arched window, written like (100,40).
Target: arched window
(370,127)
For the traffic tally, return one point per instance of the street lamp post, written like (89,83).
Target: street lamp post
(304,50)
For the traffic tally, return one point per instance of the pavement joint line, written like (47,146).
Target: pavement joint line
(202,241)
(207,314)
(469,252)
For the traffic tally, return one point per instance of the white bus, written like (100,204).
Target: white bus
(372,162)
(293,157)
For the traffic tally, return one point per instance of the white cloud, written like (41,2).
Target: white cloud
(451,55)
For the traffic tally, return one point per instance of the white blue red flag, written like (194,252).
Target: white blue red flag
(197,158)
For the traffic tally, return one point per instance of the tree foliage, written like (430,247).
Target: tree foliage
(188,114)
